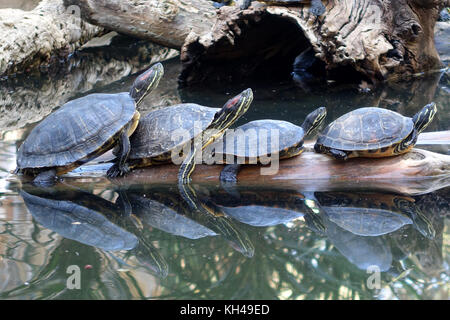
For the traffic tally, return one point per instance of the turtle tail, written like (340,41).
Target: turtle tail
(424,117)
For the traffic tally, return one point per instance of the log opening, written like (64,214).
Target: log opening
(264,49)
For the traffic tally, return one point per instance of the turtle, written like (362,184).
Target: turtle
(373,132)
(164,208)
(258,139)
(373,213)
(317,8)
(166,134)
(83,129)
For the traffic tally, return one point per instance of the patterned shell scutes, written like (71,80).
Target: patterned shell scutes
(162,130)
(75,130)
(259,138)
(366,129)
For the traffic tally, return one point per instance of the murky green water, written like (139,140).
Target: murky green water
(136,241)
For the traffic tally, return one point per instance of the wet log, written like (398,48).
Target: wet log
(417,172)
(34,38)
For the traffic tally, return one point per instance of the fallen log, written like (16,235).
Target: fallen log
(34,38)
(367,39)
(416,172)
(166,22)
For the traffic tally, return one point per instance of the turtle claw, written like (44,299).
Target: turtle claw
(117,171)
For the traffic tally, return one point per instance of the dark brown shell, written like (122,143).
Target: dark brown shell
(76,130)
(366,129)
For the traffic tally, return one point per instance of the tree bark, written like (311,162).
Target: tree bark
(369,39)
(34,38)
(166,22)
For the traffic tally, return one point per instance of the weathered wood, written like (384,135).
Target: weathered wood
(375,39)
(416,172)
(32,38)
(166,22)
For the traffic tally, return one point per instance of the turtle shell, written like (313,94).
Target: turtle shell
(166,218)
(366,221)
(259,138)
(76,130)
(79,223)
(366,129)
(163,130)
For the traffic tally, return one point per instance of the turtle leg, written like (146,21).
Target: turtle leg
(188,166)
(317,8)
(121,167)
(45,178)
(338,154)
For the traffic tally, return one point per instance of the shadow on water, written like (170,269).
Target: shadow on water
(144,241)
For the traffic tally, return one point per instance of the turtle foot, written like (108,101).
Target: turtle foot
(117,171)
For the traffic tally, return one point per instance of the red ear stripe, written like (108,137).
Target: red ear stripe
(233,101)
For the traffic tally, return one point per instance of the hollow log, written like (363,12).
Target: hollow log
(369,39)
(34,38)
(417,172)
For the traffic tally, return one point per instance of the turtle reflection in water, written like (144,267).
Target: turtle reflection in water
(165,209)
(356,224)
(91,220)
(373,214)
(83,129)
(262,207)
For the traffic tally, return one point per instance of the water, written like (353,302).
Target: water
(135,240)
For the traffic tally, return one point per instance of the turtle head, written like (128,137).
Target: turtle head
(424,117)
(146,82)
(232,110)
(314,119)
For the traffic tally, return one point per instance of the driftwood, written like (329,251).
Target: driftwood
(372,39)
(34,38)
(416,172)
